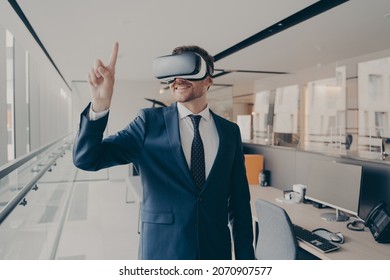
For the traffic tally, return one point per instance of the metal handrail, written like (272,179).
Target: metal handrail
(16,200)
(12,165)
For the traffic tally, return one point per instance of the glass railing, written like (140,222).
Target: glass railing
(34,196)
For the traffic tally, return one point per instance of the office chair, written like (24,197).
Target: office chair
(276,239)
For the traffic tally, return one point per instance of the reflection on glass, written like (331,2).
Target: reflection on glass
(262,128)
(374,109)
(325,114)
(286,110)
(10,96)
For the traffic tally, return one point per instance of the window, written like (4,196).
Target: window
(28,136)
(10,96)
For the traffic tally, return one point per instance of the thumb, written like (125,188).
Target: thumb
(103,71)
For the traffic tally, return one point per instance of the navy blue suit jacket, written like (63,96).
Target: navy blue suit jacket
(178,221)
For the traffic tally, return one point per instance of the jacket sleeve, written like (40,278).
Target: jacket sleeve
(240,214)
(91,152)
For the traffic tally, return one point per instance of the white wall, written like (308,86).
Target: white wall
(129,98)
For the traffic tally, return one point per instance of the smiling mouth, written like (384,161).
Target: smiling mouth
(181,86)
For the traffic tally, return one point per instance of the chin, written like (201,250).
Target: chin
(180,97)
(185,97)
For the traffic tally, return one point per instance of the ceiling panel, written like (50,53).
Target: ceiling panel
(75,33)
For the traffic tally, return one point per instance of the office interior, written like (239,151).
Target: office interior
(305,80)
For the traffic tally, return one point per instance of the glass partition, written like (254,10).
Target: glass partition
(32,229)
(325,114)
(262,124)
(339,115)
(374,108)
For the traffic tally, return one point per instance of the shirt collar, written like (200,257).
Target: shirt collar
(184,112)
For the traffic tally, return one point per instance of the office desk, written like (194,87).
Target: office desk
(358,245)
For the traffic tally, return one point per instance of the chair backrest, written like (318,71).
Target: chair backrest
(276,239)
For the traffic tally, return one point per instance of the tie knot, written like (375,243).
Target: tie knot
(195,120)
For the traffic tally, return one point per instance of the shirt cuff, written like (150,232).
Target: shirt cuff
(94,116)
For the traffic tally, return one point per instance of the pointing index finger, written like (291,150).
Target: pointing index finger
(114,55)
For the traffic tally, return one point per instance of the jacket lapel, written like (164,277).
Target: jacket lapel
(223,148)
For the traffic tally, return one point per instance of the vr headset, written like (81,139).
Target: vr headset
(187,65)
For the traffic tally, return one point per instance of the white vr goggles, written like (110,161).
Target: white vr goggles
(187,65)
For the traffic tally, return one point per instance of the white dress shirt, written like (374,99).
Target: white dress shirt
(208,133)
(207,129)
(94,116)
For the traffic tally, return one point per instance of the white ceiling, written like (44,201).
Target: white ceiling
(76,32)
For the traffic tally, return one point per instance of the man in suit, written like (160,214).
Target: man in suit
(185,214)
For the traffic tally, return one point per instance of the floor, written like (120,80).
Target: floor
(71,214)
(102,221)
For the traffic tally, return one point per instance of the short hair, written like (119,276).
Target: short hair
(202,52)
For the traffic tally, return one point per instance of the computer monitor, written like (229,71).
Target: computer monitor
(375,188)
(336,185)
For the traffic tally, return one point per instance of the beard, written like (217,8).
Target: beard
(185,91)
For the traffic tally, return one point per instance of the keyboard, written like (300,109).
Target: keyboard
(314,240)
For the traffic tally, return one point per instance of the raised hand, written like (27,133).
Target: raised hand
(101,80)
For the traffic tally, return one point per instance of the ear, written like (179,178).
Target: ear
(209,82)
